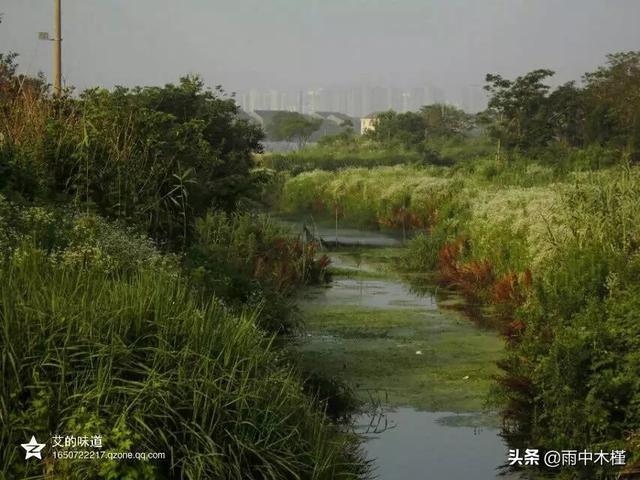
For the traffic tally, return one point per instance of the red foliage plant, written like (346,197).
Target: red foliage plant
(472,278)
(477,281)
(509,293)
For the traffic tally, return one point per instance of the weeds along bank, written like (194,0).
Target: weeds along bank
(139,297)
(383,196)
(555,265)
(101,332)
(332,159)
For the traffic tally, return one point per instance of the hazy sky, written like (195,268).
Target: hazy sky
(312,43)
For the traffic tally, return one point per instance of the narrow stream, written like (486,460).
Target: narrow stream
(426,366)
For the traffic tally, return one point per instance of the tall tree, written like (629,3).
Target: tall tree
(406,129)
(293,126)
(614,91)
(441,120)
(566,112)
(519,107)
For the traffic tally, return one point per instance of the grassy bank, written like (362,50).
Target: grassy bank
(334,153)
(323,158)
(141,299)
(552,260)
(135,357)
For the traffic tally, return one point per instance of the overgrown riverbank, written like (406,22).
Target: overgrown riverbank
(142,301)
(415,363)
(555,266)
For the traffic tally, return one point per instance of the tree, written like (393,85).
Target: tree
(406,129)
(614,92)
(566,112)
(293,126)
(167,153)
(519,108)
(445,121)
(153,157)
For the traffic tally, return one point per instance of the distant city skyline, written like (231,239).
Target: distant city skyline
(359,101)
(327,47)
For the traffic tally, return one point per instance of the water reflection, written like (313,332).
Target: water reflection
(409,445)
(368,293)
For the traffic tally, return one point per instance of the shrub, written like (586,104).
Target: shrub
(153,157)
(249,261)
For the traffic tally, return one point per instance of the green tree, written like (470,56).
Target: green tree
(566,113)
(154,157)
(405,129)
(165,154)
(445,121)
(519,109)
(293,126)
(614,93)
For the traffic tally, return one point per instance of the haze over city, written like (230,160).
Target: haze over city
(354,56)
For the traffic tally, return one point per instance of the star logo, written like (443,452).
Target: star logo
(33,448)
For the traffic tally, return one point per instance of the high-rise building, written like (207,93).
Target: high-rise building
(274,100)
(356,101)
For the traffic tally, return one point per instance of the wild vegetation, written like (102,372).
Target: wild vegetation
(135,357)
(141,299)
(540,232)
(337,153)
(293,126)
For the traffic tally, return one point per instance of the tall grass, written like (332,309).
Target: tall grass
(394,197)
(252,262)
(575,360)
(135,358)
(556,260)
(332,159)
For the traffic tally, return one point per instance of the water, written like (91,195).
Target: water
(368,293)
(405,443)
(432,445)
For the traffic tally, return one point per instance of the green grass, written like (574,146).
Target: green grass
(136,358)
(332,159)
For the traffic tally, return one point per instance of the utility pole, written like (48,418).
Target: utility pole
(57,49)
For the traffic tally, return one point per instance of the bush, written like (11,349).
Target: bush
(251,262)
(156,158)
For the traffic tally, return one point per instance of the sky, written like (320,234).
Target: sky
(265,44)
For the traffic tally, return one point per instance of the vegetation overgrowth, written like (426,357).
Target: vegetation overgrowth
(542,233)
(556,265)
(141,300)
(135,357)
(332,157)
